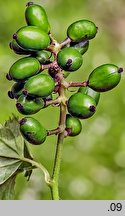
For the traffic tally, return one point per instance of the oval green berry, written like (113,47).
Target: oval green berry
(16,89)
(81,106)
(88,91)
(82,29)
(73,125)
(66,74)
(17,49)
(81,46)
(43,56)
(36,16)
(32,38)
(32,130)
(41,85)
(24,68)
(28,106)
(104,77)
(69,59)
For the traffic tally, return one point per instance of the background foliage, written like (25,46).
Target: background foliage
(93,165)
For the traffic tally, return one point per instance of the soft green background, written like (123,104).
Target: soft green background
(93,165)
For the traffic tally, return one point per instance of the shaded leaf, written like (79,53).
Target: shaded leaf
(12,151)
(8,146)
(7,168)
(13,125)
(7,189)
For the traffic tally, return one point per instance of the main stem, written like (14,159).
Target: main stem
(59,146)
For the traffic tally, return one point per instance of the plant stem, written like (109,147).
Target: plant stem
(65,42)
(41,167)
(78,84)
(58,155)
(52,102)
(54,131)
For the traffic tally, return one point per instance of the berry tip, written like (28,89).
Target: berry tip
(120,70)
(92,108)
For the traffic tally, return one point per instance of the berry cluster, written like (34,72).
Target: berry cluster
(34,87)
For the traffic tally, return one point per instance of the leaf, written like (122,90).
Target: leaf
(8,146)
(7,189)
(13,125)
(7,168)
(12,151)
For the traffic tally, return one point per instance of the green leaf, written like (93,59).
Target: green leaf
(7,189)
(7,168)
(13,125)
(12,151)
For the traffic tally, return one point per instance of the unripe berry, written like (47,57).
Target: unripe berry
(36,16)
(81,46)
(73,125)
(104,77)
(66,74)
(81,30)
(81,106)
(32,38)
(32,131)
(18,49)
(28,105)
(24,68)
(41,85)
(88,91)
(16,90)
(69,59)
(43,56)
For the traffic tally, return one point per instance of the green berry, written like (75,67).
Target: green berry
(29,106)
(73,125)
(48,98)
(88,91)
(17,49)
(32,38)
(32,131)
(65,74)
(43,56)
(81,46)
(69,59)
(24,68)
(82,29)
(36,16)
(16,89)
(81,106)
(41,85)
(104,77)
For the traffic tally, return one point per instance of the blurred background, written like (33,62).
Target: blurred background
(93,164)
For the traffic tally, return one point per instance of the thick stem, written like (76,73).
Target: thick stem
(59,146)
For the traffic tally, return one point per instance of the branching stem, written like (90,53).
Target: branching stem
(53,102)
(54,131)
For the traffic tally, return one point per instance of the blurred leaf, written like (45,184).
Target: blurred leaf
(7,189)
